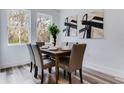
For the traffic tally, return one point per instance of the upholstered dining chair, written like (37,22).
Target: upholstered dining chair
(68,45)
(33,61)
(40,44)
(40,62)
(75,61)
(32,58)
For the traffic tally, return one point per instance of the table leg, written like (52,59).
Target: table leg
(57,69)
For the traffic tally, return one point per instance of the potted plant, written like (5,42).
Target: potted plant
(53,29)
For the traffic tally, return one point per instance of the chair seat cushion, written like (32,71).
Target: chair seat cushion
(45,56)
(48,63)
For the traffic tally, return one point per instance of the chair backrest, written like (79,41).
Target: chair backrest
(32,57)
(40,44)
(68,44)
(38,56)
(76,57)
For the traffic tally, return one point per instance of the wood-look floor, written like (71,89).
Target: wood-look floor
(21,75)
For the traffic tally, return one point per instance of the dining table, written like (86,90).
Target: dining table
(56,54)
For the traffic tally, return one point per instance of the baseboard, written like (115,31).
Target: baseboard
(113,72)
(16,63)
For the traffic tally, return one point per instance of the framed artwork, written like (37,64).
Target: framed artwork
(42,24)
(91,25)
(70,26)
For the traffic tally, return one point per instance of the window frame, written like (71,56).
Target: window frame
(29,27)
(51,18)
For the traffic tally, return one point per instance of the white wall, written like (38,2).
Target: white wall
(106,55)
(18,55)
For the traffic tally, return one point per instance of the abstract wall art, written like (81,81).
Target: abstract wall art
(91,25)
(88,25)
(70,26)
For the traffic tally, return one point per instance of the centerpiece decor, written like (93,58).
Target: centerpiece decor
(53,30)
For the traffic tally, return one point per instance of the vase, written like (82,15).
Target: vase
(54,38)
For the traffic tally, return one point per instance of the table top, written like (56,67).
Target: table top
(56,52)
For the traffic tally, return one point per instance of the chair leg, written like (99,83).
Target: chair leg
(50,69)
(34,65)
(31,67)
(69,74)
(58,72)
(75,72)
(36,71)
(80,70)
(42,76)
(64,73)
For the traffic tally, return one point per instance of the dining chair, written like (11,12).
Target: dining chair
(40,44)
(33,62)
(68,45)
(32,58)
(44,56)
(40,62)
(75,61)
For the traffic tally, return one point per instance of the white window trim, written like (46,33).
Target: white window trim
(29,34)
(39,13)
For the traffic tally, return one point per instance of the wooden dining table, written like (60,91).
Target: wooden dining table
(56,54)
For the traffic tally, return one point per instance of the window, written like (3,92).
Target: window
(19,27)
(43,21)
